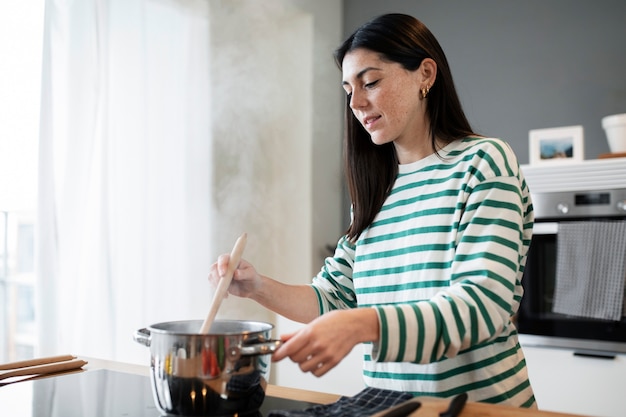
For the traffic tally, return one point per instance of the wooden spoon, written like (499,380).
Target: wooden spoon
(222,287)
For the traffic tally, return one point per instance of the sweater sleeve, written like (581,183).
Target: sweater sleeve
(492,240)
(333,284)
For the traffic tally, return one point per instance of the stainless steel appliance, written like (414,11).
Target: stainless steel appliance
(537,323)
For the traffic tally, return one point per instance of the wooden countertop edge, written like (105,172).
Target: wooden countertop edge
(430,406)
(301,395)
(129,368)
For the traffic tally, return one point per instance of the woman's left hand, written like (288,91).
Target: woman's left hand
(320,345)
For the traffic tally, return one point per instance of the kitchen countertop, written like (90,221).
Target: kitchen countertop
(431,407)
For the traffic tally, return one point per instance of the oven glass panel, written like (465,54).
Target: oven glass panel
(535,316)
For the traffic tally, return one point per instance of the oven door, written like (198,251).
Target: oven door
(538,325)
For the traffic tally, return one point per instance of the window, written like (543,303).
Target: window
(18,279)
(21,34)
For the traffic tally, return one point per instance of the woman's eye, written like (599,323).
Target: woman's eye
(372,84)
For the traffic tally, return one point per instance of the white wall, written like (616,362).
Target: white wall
(277,129)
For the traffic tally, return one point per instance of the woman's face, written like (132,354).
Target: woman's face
(385,98)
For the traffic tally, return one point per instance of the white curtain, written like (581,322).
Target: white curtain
(168,128)
(123,231)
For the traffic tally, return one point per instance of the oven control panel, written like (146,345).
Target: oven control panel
(573,204)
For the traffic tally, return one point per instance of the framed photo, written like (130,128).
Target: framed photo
(556,145)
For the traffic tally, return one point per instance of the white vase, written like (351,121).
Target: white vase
(615,128)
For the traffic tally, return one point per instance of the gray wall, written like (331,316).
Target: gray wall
(527,64)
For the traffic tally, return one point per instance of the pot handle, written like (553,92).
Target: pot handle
(142,336)
(262,348)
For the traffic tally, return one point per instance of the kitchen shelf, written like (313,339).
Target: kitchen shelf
(589,175)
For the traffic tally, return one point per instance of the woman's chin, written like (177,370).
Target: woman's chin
(380,139)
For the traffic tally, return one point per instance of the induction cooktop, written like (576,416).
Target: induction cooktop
(99,393)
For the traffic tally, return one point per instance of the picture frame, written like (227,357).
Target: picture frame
(556,145)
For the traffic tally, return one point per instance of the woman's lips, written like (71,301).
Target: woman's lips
(369,121)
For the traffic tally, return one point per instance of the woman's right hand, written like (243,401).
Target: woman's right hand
(295,302)
(245,281)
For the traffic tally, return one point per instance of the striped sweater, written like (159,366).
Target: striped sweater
(442,263)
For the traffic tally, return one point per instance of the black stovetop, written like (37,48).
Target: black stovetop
(100,393)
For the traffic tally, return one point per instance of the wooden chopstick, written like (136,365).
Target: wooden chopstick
(35,362)
(49,368)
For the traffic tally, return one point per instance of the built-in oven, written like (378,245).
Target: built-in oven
(544,317)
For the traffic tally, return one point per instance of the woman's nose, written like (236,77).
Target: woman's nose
(357,100)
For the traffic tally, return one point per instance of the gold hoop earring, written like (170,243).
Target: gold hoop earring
(424,92)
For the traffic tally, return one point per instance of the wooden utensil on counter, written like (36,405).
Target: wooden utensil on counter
(35,362)
(41,366)
(222,287)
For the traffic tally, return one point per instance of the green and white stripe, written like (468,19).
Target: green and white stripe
(442,264)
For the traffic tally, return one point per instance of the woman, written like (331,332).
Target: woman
(428,273)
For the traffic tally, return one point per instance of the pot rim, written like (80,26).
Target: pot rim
(263,327)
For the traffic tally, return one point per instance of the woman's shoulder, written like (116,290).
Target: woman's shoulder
(491,151)
(477,143)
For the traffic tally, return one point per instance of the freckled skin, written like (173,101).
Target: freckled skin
(385,98)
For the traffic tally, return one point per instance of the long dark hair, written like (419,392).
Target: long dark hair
(372,169)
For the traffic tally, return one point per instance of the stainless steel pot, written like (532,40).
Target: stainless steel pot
(224,372)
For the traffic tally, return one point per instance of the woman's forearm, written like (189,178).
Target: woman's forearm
(295,302)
